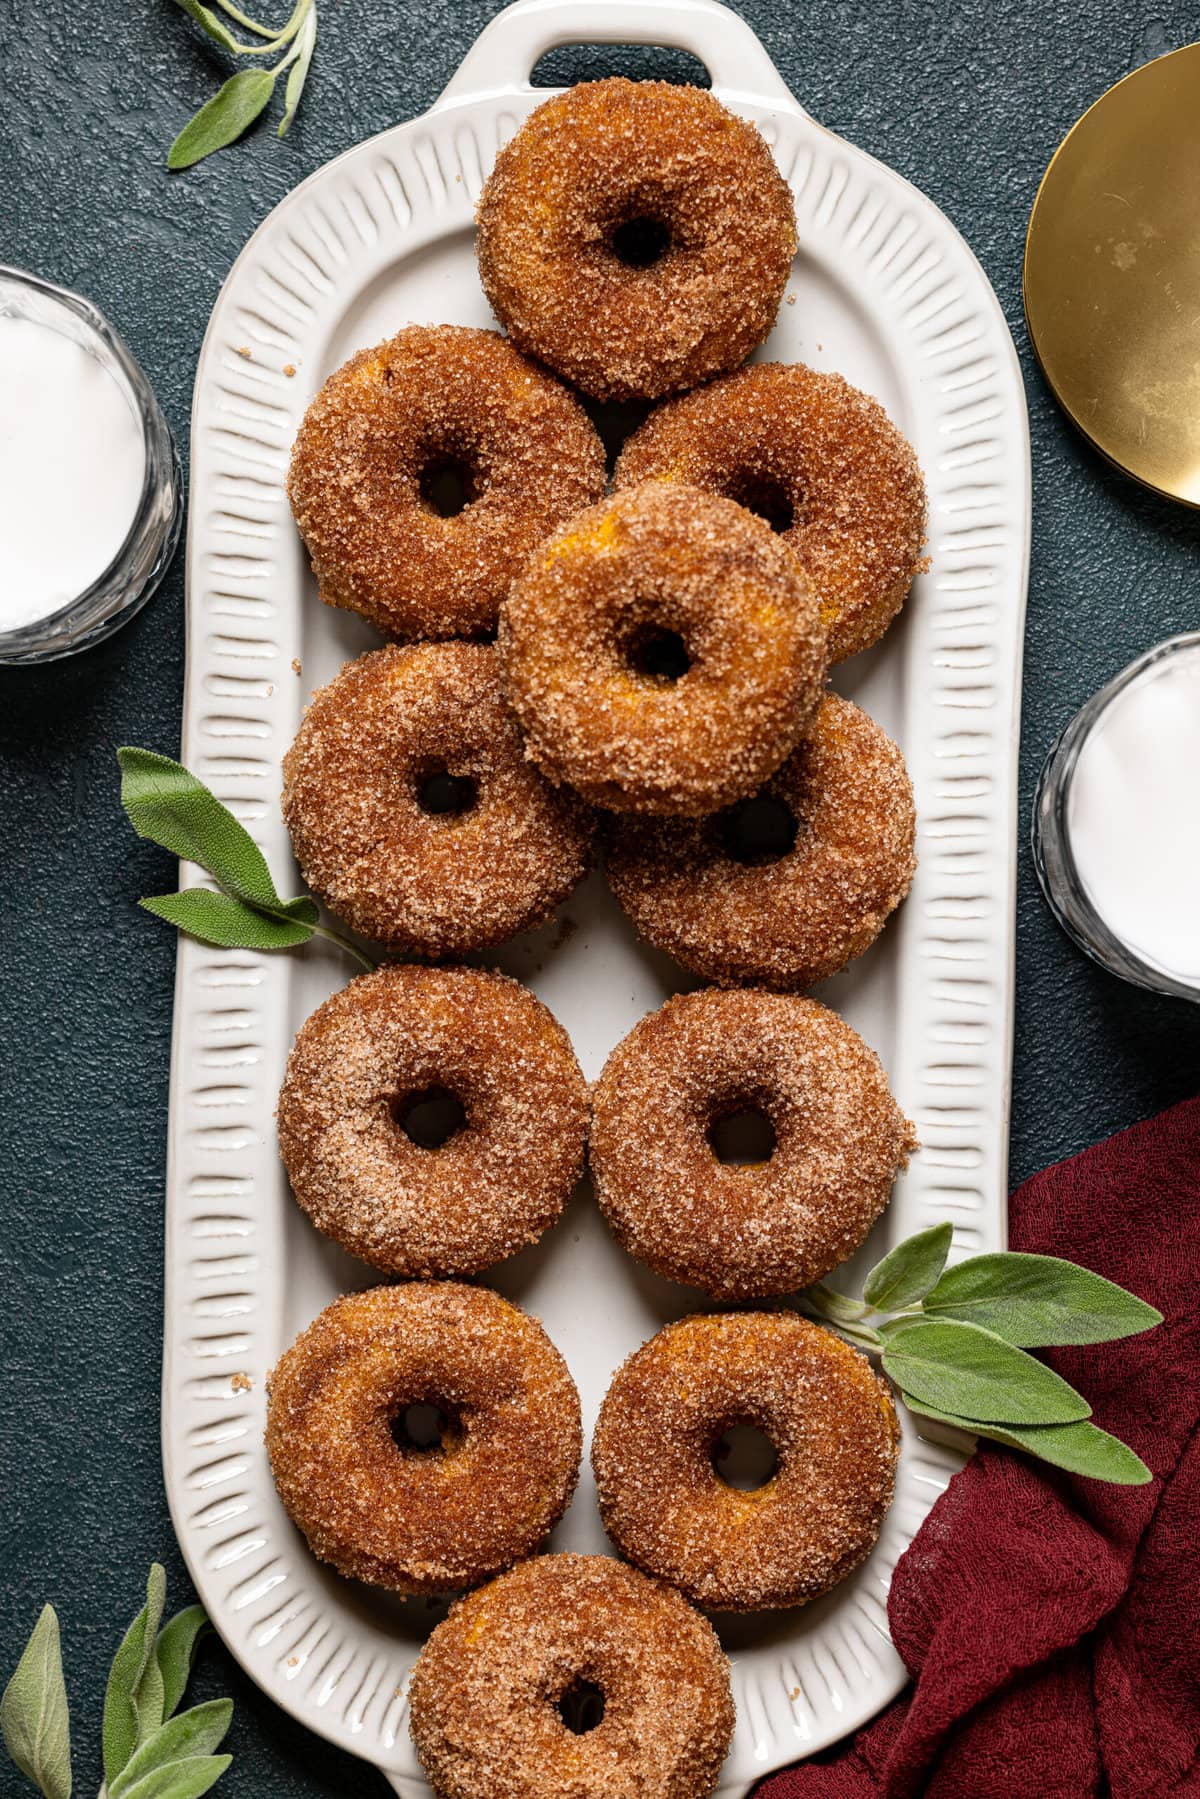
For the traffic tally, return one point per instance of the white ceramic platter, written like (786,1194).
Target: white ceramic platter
(883,290)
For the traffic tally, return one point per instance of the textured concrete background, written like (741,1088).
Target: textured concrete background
(968,103)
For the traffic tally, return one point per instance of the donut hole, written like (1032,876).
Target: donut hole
(444,795)
(640,242)
(759,830)
(657,653)
(742,1137)
(447,485)
(744,1457)
(431,1117)
(425,1428)
(766,496)
(581,1707)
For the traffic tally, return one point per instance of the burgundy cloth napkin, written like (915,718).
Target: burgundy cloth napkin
(1051,1624)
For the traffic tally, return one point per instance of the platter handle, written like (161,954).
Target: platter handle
(504,54)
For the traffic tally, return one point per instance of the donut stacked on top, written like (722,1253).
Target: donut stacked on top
(655,656)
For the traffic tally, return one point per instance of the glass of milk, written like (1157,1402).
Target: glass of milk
(90,488)
(1116,834)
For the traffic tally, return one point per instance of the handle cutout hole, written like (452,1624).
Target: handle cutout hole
(568,63)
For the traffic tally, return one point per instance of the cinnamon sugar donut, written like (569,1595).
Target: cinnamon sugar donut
(413,811)
(743,1232)
(829,1419)
(822,462)
(788,887)
(495,1692)
(369,1069)
(426,472)
(663,652)
(636,236)
(373,1499)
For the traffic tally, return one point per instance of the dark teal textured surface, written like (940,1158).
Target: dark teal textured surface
(968,103)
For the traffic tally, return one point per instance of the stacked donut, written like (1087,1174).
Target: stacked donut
(648,667)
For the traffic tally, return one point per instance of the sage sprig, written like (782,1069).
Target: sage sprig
(955,1342)
(169,806)
(150,1751)
(236,105)
(34,1716)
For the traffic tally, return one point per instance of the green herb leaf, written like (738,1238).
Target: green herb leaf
(217,29)
(171,807)
(863,1334)
(133,1702)
(1035,1301)
(34,1717)
(837,1307)
(193,1733)
(211,24)
(298,74)
(973,1373)
(180,1780)
(250,24)
(223,118)
(226,923)
(175,1652)
(1080,1448)
(907,1272)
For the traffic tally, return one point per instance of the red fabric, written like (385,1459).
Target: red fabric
(1052,1624)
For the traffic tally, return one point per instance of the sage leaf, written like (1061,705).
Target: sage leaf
(180,1780)
(837,1307)
(193,1733)
(223,119)
(907,1272)
(175,1652)
(214,27)
(34,1717)
(127,1709)
(226,923)
(169,806)
(971,1372)
(217,29)
(1080,1448)
(1034,1301)
(298,73)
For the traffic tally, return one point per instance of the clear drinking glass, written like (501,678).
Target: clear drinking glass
(1056,867)
(142,561)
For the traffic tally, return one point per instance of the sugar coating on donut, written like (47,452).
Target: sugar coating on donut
(438,1519)
(486,1688)
(500,1179)
(662,569)
(695,889)
(744,1231)
(356,799)
(829,1418)
(819,458)
(436,402)
(636,236)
